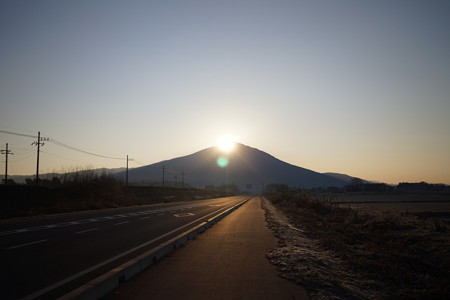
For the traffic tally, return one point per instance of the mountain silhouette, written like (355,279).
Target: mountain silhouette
(347,178)
(248,168)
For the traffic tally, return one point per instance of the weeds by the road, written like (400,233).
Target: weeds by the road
(86,190)
(364,256)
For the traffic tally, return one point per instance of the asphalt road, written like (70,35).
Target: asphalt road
(226,262)
(47,257)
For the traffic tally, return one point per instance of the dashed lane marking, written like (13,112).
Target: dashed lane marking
(183,215)
(121,223)
(88,230)
(27,244)
(159,212)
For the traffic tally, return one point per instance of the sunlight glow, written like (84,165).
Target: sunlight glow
(226,144)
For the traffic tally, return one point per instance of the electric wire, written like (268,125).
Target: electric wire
(63,157)
(83,151)
(19,134)
(16,159)
(62,145)
(22,150)
(138,162)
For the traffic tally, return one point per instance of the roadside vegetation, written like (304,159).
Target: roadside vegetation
(86,190)
(362,255)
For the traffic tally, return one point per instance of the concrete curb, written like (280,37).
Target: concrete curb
(111,280)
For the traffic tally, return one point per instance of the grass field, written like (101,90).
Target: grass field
(388,246)
(430,205)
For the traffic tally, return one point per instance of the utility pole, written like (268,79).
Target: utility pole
(164,168)
(126,175)
(6,152)
(39,143)
(182,179)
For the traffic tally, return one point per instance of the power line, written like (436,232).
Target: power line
(53,141)
(25,157)
(63,157)
(40,143)
(23,151)
(22,146)
(19,134)
(83,151)
(140,163)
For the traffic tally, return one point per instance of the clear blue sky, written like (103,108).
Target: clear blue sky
(355,87)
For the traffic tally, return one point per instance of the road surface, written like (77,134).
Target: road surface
(46,257)
(226,262)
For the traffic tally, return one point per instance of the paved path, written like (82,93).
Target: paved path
(226,262)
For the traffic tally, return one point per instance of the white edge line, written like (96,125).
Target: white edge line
(84,272)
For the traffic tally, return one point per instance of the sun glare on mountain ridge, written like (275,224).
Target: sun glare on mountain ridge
(226,144)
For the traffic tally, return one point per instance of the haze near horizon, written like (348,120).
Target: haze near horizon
(347,87)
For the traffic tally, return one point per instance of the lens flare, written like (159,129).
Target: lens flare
(222,162)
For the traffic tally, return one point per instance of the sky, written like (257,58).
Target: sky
(353,86)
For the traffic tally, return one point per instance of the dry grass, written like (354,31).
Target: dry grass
(412,203)
(388,255)
(86,191)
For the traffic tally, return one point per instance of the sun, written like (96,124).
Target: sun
(226,144)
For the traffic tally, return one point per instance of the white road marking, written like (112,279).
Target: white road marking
(79,274)
(183,215)
(27,244)
(121,223)
(161,212)
(80,232)
(145,218)
(87,221)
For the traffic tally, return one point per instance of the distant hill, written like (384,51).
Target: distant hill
(346,177)
(248,168)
